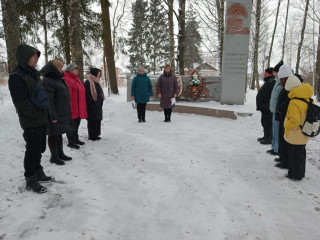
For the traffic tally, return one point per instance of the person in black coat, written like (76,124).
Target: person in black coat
(263,102)
(22,83)
(94,100)
(59,95)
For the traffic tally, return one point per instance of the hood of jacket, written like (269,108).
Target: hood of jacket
(303,91)
(24,53)
(51,71)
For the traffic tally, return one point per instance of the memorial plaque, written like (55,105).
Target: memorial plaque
(235,53)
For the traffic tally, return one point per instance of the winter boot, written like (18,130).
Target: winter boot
(61,154)
(55,157)
(73,145)
(79,142)
(42,177)
(33,185)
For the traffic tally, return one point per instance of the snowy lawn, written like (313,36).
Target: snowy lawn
(196,178)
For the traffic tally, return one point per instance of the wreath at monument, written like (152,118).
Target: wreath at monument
(195,84)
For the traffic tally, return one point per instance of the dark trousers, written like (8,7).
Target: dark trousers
(94,128)
(54,141)
(297,161)
(35,139)
(73,136)
(141,110)
(266,122)
(283,145)
(167,113)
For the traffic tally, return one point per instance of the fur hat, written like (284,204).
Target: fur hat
(292,82)
(94,71)
(277,67)
(70,67)
(284,72)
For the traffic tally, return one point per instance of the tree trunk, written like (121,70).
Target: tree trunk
(171,35)
(44,24)
(11,24)
(181,37)
(317,82)
(285,31)
(108,50)
(274,33)
(302,36)
(66,30)
(75,35)
(220,10)
(255,80)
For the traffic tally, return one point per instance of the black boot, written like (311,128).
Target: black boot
(55,157)
(42,177)
(33,185)
(61,154)
(79,142)
(73,145)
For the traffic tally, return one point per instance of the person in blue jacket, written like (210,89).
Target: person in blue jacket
(141,90)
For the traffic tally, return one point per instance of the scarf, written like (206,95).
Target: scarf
(92,79)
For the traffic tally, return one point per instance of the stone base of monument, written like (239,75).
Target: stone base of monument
(219,113)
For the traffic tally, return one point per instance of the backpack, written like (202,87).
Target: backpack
(39,97)
(311,126)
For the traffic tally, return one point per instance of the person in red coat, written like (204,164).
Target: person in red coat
(78,103)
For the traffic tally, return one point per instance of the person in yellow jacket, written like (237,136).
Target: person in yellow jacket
(295,117)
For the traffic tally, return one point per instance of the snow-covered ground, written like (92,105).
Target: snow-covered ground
(196,178)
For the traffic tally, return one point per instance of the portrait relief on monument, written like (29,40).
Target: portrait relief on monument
(236,14)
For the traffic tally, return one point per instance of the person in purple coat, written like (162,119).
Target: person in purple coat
(168,90)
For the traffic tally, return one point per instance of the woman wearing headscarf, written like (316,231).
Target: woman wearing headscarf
(94,99)
(58,92)
(168,89)
(78,103)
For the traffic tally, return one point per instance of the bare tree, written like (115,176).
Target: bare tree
(274,32)
(119,13)
(171,33)
(11,23)
(108,49)
(76,36)
(211,13)
(255,79)
(181,17)
(302,36)
(285,30)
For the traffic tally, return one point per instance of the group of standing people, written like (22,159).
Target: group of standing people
(141,91)
(282,114)
(52,107)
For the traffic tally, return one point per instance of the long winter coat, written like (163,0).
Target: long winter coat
(141,88)
(94,108)
(264,95)
(168,86)
(59,100)
(22,82)
(77,96)
(275,95)
(282,105)
(296,115)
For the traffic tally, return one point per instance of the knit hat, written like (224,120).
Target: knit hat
(70,67)
(269,70)
(284,72)
(276,67)
(292,82)
(94,71)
